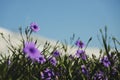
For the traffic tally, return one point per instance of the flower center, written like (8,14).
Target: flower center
(106,61)
(35,27)
(40,58)
(32,50)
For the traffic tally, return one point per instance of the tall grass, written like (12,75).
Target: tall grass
(51,64)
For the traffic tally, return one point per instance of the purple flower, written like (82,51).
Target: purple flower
(32,52)
(84,70)
(34,27)
(56,53)
(81,54)
(47,74)
(41,59)
(105,61)
(79,44)
(100,76)
(53,61)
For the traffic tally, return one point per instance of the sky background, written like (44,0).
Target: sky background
(59,19)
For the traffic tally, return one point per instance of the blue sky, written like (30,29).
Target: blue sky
(59,19)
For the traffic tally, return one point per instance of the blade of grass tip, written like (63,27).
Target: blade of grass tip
(106,38)
(88,42)
(4,38)
(105,46)
(27,33)
(104,43)
(21,34)
(56,43)
(30,32)
(65,46)
(109,41)
(36,41)
(10,43)
(100,54)
(105,33)
(72,38)
(115,43)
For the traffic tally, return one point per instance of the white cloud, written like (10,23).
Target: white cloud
(15,39)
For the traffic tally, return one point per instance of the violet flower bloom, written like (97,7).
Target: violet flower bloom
(79,44)
(84,70)
(47,74)
(41,59)
(31,51)
(81,54)
(34,27)
(53,61)
(100,76)
(56,53)
(105,61)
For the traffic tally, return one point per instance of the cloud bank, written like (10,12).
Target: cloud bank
(15,39)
